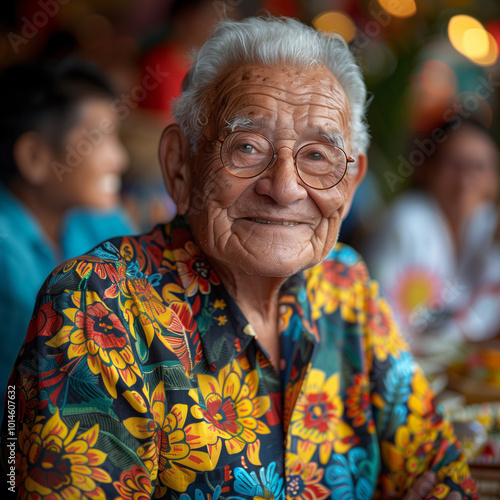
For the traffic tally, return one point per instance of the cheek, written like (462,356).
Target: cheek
(213,187)
(84,182)
(86,176)
(330,202)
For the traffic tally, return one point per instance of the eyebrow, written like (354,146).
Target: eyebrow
(240,122)
(335,138)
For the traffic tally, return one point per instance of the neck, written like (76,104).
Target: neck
(47,215)
(257,297)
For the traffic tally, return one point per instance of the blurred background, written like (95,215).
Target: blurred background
(417,65)
(426,63)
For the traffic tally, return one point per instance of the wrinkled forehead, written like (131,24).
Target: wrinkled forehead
(279,97)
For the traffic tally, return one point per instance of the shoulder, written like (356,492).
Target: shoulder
(86,228)
(343,280)
(339,284)
(112,260)
(346,263)
(104,224)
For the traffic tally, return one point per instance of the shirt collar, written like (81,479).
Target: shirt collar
(223,329)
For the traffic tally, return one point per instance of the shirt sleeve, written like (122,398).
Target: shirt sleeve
(64,429)
(413,435)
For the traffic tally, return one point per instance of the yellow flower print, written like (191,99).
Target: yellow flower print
(233,411)
(441,491)
(222,320)
(220,304)
(57,463)
(317,419)
(304,481)
(153,314)
(134,484)
(286,313)
(323,295)
(421,398)
(98,334)
(458,471)
(174,453)
(413,449)
(171,324)
(382,331)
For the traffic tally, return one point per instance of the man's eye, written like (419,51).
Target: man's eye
(315,156)
(246,148)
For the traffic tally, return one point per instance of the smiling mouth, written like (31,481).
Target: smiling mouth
(275,222)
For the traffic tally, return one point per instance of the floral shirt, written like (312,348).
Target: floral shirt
(140,378)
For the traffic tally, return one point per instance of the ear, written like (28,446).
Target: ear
(33,158)
(174,155)
(355,175)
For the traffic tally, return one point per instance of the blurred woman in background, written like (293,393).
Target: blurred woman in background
(435,250)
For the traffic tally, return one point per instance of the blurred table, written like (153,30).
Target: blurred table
(466,379)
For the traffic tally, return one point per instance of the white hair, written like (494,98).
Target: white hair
(268,41)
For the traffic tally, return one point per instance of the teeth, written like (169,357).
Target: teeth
(109,183)
(280,223)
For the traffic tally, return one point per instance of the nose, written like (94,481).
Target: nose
(280,180)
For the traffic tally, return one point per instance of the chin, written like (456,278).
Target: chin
(275,268)
(107,202)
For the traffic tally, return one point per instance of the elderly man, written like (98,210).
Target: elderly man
(236,352)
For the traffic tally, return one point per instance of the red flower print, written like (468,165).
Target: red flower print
(99,336)
(195,272)
(27,397)
(358,402)
(304,481)
(221,413)
(134,484)
(45,323)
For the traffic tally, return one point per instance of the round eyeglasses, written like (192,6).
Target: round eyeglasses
(319,165)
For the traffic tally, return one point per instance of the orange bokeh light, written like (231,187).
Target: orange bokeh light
(336,22)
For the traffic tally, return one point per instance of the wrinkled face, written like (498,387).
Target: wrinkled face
(273,224)
(466,170)
(91,160)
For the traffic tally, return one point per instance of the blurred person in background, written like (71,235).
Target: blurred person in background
(61,162)
(190,23)
(434,252)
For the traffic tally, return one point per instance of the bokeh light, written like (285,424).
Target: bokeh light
(336,22)
(491,56)
(469,37)
(476,43)
(399,8)
(438,79)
